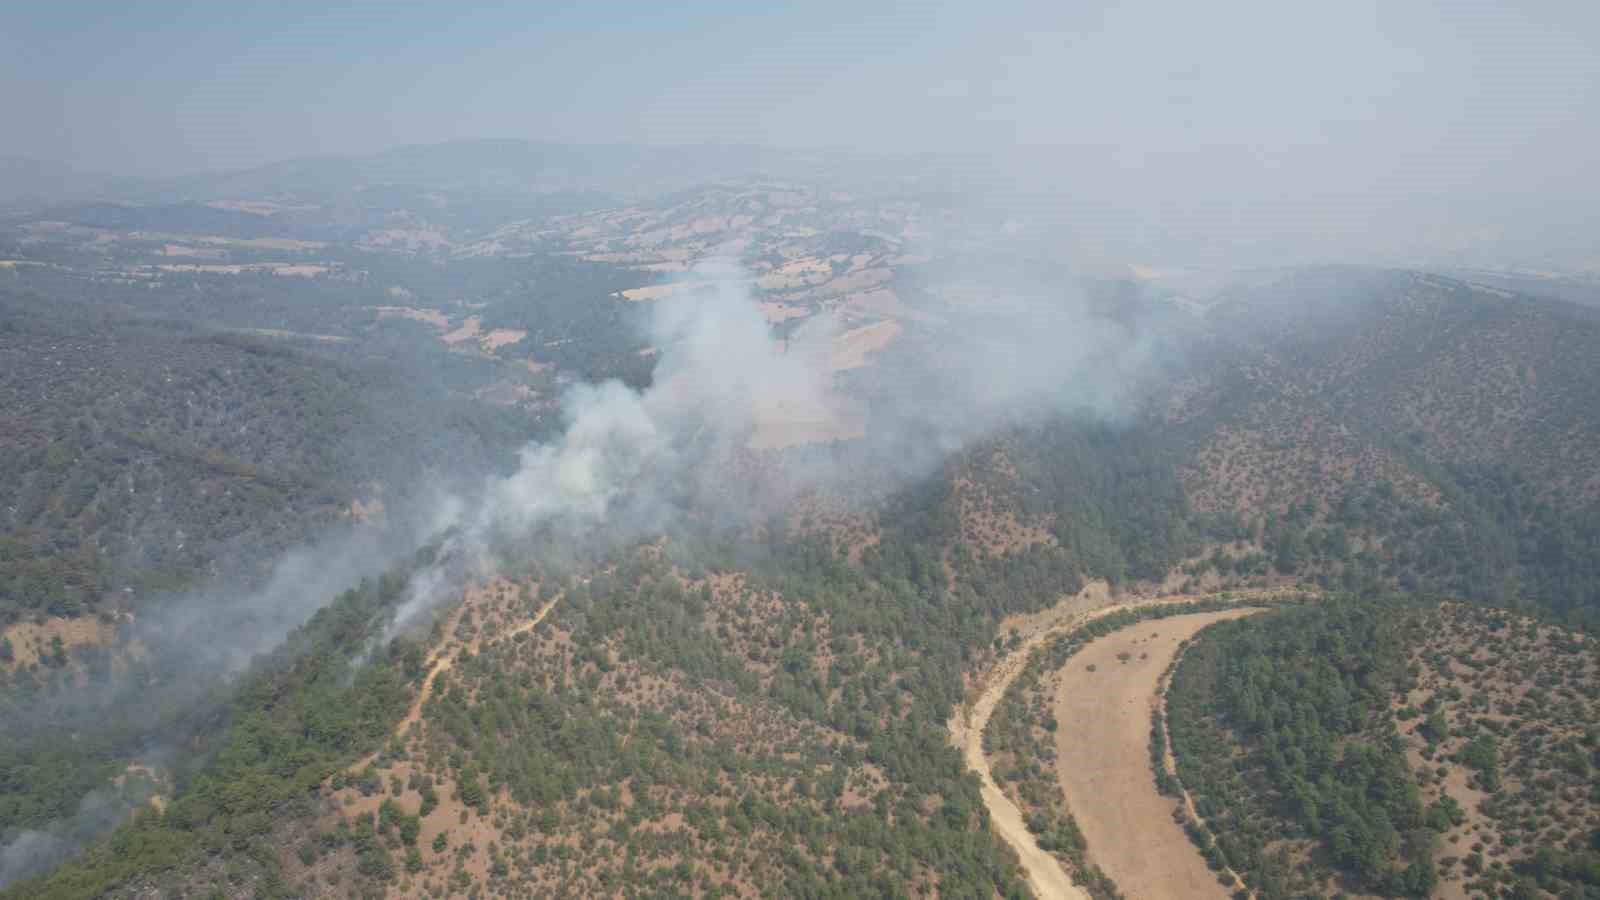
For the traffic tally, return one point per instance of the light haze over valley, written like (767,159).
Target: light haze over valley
(835,450)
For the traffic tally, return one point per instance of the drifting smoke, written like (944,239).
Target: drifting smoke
(634,464)
(33,853)
(192,650)
(635,460)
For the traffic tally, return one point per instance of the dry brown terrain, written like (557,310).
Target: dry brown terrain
(471,329)
(32,641)
(657,291)
(584,842)
(779,312)
(430,316)
(1530,687)
(1032,632)
(992,527)
(478,598)
(501,337)
(852,348)
(1421,369)
(1046,875)
(286,269)
(780,424)
(1103,704)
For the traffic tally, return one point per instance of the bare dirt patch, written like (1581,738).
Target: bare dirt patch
(294,270)
(31,642)
(501,337)
(185,250)
(854,282)
(471,329)
(295,335)
(365,511)
(412,239)
(504,393)
(258,207)
(796,274)
(430,316)
(779,425)
(266,243)
(1104,700)
(852,348)
(1024,635)
(657,291)
(781,312)
(880,303)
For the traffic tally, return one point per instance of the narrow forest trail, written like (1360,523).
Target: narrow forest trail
(444,656)
(1169,760)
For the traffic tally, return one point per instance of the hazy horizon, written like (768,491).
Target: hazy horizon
(1347,130)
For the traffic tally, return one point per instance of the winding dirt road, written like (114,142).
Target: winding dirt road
(1045,874)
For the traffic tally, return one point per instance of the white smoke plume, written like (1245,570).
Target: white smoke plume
(634,464)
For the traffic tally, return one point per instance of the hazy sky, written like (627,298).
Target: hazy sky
(1467,104)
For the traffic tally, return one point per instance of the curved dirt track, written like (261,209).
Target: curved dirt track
(1103,758)
(1046,876)
(444,657)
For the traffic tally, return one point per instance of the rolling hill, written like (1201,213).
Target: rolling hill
(738,702)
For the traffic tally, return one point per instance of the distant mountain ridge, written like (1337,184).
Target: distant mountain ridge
(27,185)
(480,169)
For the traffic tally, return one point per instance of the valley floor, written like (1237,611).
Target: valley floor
(1045,873)
(1103,701)
(1102,746)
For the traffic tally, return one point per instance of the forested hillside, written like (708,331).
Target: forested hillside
(777,724)
(1417,370)
(1395,427)
(1305,694)
(1384,746)
(139,454)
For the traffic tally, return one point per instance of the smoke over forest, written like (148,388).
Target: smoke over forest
(631,464)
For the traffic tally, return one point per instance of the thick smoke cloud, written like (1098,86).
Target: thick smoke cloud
(634,459)
(988,353)
(991,350)
(1000,350)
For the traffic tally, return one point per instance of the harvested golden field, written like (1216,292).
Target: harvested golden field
(1103,701)
(1051,684)
(852,348)
(781,425)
